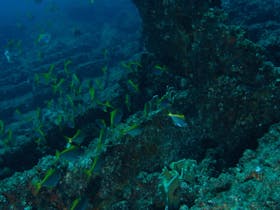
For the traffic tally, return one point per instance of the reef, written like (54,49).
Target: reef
(261,21)
(230,85)
(189,123)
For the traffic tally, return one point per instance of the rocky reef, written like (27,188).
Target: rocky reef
(261,21)
(231,89)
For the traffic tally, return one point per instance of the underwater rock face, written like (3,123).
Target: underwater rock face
(261,19)
(232,91)
(168,27)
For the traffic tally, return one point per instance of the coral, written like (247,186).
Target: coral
(171,180)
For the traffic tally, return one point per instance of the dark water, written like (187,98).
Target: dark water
(34,32)
(25,20)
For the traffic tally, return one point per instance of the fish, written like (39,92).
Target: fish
(159,70)
(71,140)
(72,153)
(115,117)
(66,66)
(104,106)
(57,87)
(127,102)
(101,123)
(2,127)
(44,38)
(132,86)
(98,149)
(133,130)
(50,180)
(80,203)
(178,120)
(92,93)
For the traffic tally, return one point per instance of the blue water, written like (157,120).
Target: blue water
(25,19)
(35,34)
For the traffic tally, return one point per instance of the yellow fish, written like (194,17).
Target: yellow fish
(178,119)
